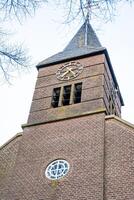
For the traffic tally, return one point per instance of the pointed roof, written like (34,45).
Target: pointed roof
(85,37)
(85,42)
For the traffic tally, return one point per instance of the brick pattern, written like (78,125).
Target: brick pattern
(108,82)
(87,95)
(62,112)
(119,161)
(96,80)
(100,153)
(90,61)
(89,82)
(49,80)
(80,141)
(92,79)
(8,154)
(107,93)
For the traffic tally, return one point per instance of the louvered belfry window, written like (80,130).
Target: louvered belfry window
(55,97)
(66,95)
(77,92)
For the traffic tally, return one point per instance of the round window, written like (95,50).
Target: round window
(57,169)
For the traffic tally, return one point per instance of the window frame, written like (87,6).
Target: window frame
(71,97)
(57,169)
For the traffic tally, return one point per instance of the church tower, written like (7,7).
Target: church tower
(72,147)
(75,82)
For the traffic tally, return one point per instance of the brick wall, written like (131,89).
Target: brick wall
(108,84)
(119,161)
(80,141)
(8,154)
(96,81)
(92,79)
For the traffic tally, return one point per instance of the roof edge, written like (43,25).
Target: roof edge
(103,110)
(10,140)
(38,66)
(108,117)
(113,75)
(100,51)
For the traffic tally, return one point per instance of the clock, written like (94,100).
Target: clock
(69,71)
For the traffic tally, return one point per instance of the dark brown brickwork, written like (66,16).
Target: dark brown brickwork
(100,152)
(119,161)
(8,154)
(43,100)
(92,93)
(90,61)
(88,71)
(109,88)
(80,141)
(99,149)
(96,90)
(65,111)
(92,99)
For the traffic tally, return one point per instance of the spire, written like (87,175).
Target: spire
(83,43)
(85,37)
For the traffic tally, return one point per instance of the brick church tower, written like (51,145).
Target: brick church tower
(75,146)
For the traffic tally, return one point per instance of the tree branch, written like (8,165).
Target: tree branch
(12,59)
(19,8)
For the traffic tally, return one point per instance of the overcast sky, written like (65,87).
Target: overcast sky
(45,35)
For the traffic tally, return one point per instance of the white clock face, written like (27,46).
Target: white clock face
(69,71)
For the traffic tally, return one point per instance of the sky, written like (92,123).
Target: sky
(44,35)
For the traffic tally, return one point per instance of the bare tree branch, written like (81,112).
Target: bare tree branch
(19,8)
(13,57)
(100,9)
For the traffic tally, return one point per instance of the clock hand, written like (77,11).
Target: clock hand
(64,73)
(70,70)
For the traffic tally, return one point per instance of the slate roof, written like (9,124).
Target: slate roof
(84,38)
(85,42)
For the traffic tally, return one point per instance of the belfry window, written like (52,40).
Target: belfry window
(111,105)
(66,95)
(55,97)
(77,92)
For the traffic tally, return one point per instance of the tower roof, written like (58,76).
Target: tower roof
(85,42)
(84,38)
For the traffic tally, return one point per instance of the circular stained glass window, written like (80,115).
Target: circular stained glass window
(57,169)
